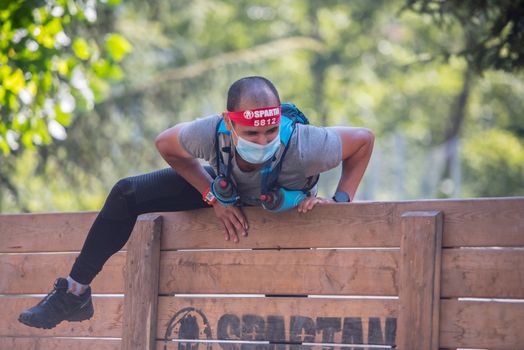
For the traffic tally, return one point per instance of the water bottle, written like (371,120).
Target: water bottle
(279,200)
(224,191)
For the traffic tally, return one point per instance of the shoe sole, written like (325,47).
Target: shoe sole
(51,325)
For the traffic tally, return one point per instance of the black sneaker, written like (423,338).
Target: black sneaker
(57,306)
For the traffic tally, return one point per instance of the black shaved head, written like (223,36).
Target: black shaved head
(255,91)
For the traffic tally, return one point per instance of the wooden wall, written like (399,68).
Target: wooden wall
(416,275)
(35,249)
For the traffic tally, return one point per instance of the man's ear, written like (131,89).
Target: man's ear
(227,120)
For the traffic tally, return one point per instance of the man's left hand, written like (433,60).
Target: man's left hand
(309,203)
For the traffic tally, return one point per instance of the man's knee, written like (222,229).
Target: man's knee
(119,202)
(124,187)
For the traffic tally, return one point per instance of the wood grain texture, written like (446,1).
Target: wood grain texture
(107,321)
(321,320)
(474,324)
(349,272)
(35,343)
(331,225)
(141,287)
(35,273)
(474,273)
(419,291)
(468,222)
(483,273)
(476,222)
(162,345)
(47,232)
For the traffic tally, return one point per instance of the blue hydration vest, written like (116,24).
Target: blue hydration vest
(271,169)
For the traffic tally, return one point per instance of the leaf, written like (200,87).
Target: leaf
(105,69)
(81,49)
(112,2)
(4,146)
(12,101)
(62,67)
(15,81)
(27,140)
(117,46)
(61,117)
(100,88)
(46,82)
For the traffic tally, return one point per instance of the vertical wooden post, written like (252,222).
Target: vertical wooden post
(141,284)
(419,282)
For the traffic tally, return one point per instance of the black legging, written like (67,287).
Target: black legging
(162,190)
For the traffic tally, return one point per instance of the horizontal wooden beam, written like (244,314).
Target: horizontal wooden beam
(484,325)
(35,273)
(37,343)
(107,321)
(483,273)
(46,232)
(359,225)
(467,222)
(172,345)
(480,273)
(321,320)
(347,272)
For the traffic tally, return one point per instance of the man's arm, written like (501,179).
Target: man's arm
(357,146)
(178,158)
(168,144)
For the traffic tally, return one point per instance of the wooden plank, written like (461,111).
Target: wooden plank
(483,273)
(419,291)
(34,343)
(47,232)
(313,320)
(485,325)
(469,222)
(107,321)
(330,225)
(349,272)
(141,288)
(171,345)
(473,222)
(36,273)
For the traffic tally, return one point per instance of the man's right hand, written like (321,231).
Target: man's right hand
(233,221)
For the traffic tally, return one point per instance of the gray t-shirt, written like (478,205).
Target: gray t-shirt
(312,150)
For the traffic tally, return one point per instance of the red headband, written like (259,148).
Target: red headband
(256,117)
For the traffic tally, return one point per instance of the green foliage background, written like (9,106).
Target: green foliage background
(447,123)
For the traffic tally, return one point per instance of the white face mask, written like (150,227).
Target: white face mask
(254,153)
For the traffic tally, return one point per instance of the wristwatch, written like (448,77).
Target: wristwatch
(209,197)
(341,197)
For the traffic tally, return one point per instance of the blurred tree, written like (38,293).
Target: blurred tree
(492,37)
(51,65)
(496,27)
(493,138)
(494,164)
(354,63)
(47,62)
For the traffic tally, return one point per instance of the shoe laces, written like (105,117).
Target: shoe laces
(48,298)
